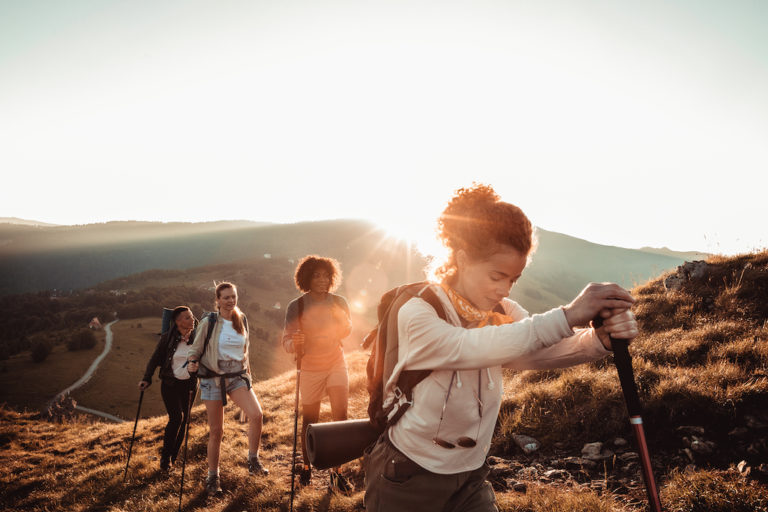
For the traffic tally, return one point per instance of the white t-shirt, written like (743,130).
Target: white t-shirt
(231,342)
(179,360)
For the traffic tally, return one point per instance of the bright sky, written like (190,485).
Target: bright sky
(624,123)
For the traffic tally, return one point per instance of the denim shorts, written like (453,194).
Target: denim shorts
(210,387)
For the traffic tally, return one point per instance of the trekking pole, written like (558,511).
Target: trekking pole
(133,436)
(623,362)
(192,396)
(295,426)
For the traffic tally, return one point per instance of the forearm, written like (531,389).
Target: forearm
(584,346)
(288,332)
(195,351)
(426,342)
(157,357)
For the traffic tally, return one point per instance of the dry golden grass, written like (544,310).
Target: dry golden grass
(79,466)
(713,491)
(544,498)
(692,362)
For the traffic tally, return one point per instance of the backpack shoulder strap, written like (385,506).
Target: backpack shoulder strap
(340,301)
(300,309)
(408,379)
(431,298)
(212,317)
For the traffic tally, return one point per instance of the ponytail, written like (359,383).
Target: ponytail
(237,321)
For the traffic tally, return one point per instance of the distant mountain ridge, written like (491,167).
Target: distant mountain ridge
(687,255)
(75,257)
(24,222)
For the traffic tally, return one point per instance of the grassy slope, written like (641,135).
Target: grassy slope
(702,360)
(57,466)
(80,466)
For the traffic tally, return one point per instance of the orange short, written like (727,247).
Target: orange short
(314,383)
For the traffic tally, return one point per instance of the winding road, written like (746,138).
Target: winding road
(89,373)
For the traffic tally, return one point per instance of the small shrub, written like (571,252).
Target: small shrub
(41,348)
(83,339)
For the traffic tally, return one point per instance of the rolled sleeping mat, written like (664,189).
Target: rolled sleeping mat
(166,323)
(337,442)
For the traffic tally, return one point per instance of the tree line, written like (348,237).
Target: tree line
(37,322)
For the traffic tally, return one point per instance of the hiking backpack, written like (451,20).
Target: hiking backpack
(384,354)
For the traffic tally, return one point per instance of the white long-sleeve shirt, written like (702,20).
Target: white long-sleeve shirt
(477,355)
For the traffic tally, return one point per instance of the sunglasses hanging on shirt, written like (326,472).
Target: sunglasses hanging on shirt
(463,441)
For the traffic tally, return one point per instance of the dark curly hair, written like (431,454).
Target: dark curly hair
(477,221)
(311,263)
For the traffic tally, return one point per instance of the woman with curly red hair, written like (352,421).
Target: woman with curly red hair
(433,458)
(315,325)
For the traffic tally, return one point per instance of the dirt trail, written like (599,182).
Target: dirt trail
(89,373)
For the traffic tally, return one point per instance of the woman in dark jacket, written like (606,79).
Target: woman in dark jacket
(177,386)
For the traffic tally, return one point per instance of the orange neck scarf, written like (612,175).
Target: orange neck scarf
(470,313)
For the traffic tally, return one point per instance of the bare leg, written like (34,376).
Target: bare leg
(246,399)
(215,431)
(339,397)
(310,413)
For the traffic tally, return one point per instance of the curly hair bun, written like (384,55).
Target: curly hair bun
(474,195)
(476,220)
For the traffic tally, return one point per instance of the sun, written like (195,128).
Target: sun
(419,233)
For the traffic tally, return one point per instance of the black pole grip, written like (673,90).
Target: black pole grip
(623,363)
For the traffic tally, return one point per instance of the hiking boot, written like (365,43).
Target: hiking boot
(165,464)
(340,483)
(212,485)
(305,476)
(255,467)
